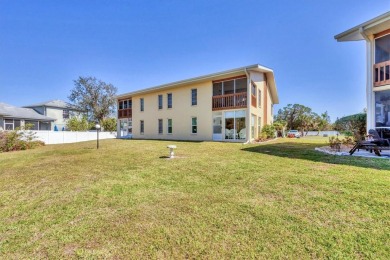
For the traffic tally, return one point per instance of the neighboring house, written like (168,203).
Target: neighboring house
(231,105)
(12,117)
(376,33)
(60,110)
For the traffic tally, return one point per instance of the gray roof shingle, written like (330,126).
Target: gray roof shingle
(54,103)
(7,110)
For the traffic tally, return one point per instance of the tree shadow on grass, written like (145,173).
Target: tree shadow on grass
(305,151)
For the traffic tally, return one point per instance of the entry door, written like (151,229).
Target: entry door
(217,127)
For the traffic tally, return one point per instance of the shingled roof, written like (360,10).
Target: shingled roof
(11,111)
(54,103)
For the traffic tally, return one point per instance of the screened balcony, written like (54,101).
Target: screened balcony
(381,68)
(230,93)
(124,108)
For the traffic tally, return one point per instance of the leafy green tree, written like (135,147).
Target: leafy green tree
(302,118)
(356,124)
(93,96)
(109,124)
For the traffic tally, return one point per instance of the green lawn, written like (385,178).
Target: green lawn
(216,200)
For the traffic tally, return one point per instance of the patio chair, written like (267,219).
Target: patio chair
(377,144)
(242,133)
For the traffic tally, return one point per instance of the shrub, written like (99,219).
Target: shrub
(18,139)
(334,142)
(269,131)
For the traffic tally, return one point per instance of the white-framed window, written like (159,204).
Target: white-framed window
(194,97)
(160,102)
(141,127)
(194,125)
(142,104)
(259,98)
(253,118)
(11,124)
(259,126)
(170,127)
(160,126)
(169,100)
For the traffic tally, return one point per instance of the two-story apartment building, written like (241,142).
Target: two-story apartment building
(376,34)
(230,105)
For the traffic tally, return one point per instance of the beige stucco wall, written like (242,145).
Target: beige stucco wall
(259,111)
(181,113)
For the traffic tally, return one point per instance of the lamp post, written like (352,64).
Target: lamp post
(97,126)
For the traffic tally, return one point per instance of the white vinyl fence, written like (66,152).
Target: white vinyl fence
(63,137)
(322,133)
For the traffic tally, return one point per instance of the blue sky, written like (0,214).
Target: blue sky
(45,45)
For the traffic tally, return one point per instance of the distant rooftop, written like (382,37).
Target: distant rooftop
(57,103)
(11,111)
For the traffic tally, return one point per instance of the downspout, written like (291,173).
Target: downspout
(369,81)
(248,113)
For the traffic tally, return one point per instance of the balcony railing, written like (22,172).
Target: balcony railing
(382,73)
(125,113)
(230,101)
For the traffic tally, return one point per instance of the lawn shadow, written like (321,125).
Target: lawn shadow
(305,151)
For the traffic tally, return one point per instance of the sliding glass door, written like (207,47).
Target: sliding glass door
(235,125)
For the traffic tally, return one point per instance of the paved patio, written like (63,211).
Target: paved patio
(360,153)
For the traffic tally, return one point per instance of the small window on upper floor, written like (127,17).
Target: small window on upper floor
(65,114)
(169,99)
(259,98)
(160,101)
(194,97)
(141,104)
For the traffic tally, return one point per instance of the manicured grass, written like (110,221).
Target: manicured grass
(216,200)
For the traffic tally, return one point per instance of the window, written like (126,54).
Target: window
(9,124)
(142,104)
(194,125)
(160,101)
(160,126)
(141,126)
(241,85)
(253,87)
(382,49)
(253,118)
(235,125)
(382,108)
(259,98)
(259,126)
(120,105)
(169,97)
(230,86)
(125,104)
(170,126)
(65,114)
(194,97)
